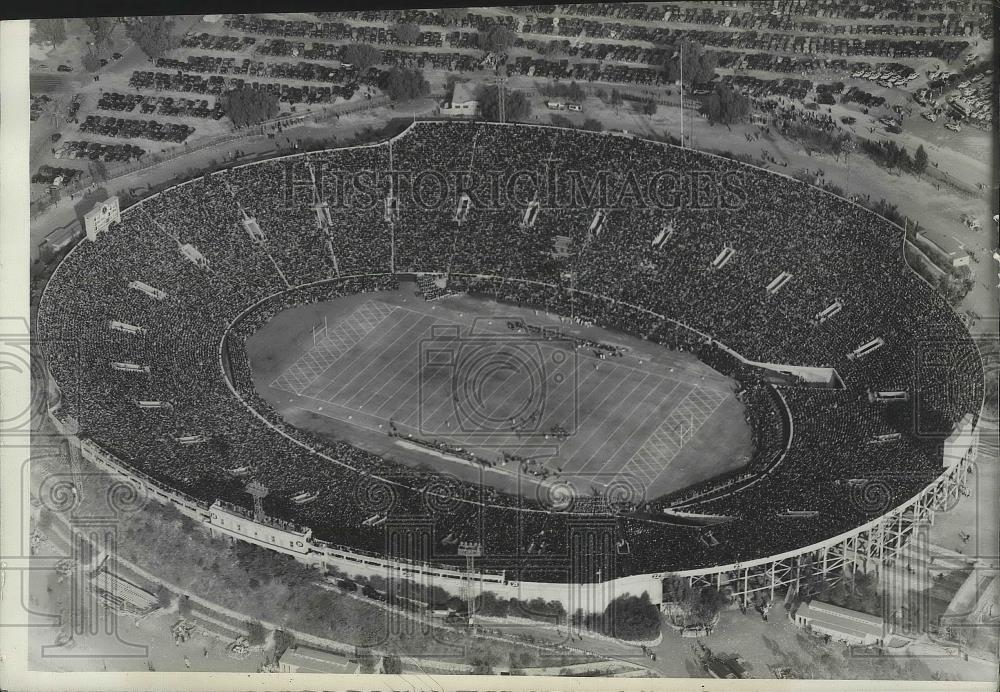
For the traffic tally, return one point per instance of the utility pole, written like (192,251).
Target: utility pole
(682,92)
(502,92)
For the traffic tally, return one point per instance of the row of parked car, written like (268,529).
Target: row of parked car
(218,85)
(890,75)
(863,97)
(38,106)
(95,151)
(178,81)
(302,71)
(452,62)
(160,105)
(131,128)
(217,42)
(56,176)
(590,72)
(762,88)
(407,16)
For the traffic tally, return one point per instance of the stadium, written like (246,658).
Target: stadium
(263,347)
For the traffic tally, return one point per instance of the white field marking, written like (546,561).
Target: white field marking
(613,457)
(666,442)
(597,412)
(303,372)
(324,392)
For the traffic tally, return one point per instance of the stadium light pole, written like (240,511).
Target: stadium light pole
(470,550)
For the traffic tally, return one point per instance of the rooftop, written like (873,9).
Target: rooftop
(315,661)
(842,619)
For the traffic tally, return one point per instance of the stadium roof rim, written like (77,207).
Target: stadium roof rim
(932,486)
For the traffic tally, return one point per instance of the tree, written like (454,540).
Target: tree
(496,39)
(920,160)
(282,642)
(154,35)
(100,30)
(592,124)
(248,106)
(627,617)
(701,604)
(404,84)
(98,170)
(362,56)
(699,65)
(727,106)
(392,665)
(184,606)
(407,33)
(50,30)
(256,633)
(516,104)
(163,597)
(365,658)
(649,108)
(616,99)
(91,62)
(453,15)
(488,604)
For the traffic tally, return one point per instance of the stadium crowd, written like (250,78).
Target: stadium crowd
(655,270)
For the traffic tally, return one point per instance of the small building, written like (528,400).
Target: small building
(463,101)
(947,246)
(303,659)
(842,624)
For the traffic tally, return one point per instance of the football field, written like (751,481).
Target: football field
(462,374)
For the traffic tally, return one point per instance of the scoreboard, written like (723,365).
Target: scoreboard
(100,218)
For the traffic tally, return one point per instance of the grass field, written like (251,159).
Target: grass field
(454,372)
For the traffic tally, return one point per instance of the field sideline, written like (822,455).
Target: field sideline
(458,372)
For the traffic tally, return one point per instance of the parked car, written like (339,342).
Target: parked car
(64,68)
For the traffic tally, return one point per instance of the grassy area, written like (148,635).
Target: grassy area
(268,586)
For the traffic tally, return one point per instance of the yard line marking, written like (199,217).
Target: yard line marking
(338,388)
(597,409)
(300,375)
(371,361)
(411,366)
(393,362)
(624,419)
(680,426)
(631,438)
(574,443)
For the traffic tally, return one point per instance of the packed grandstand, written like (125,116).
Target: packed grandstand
(847,286)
